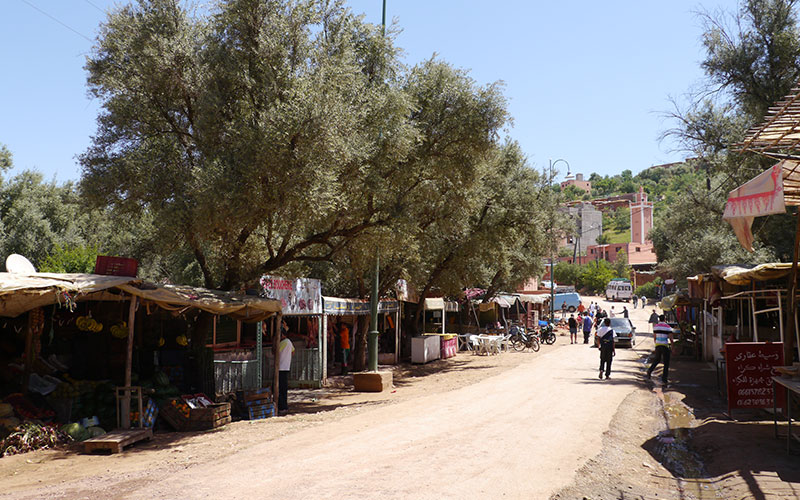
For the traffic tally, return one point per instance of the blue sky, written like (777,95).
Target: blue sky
(586,81)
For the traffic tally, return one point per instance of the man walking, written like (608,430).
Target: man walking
(587,328)
(285,351)
(605,341)
(662,337)
(635,301)
(573,329)
(653,319)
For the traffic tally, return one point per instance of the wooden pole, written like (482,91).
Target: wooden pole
(791,310)
(125,418)
(276,340)
(28,350)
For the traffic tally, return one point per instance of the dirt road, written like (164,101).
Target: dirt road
(522,433)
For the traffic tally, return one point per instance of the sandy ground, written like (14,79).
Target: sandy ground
(517,425)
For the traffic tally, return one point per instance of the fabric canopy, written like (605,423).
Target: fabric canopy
(22,293)
(533,299)
(767,193)
(737,275)
(248,308)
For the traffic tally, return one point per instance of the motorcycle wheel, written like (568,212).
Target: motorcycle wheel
(517,343)
(535,344)
(551,338)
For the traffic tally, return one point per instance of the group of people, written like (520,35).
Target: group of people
(604,338)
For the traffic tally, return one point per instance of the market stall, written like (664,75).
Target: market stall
(301,305)
(337,311)
(69,339)
(435,323)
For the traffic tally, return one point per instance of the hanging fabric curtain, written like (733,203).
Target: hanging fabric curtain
(763,195)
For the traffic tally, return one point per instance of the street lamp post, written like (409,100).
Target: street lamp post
(552,248)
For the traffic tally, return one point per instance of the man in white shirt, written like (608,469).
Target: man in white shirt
(612,314)
(662,337)
(285,352)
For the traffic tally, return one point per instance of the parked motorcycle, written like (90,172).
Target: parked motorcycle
(521,340)
(547,333)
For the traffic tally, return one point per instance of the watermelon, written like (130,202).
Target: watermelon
(161,379)
(76,431)
(96,431)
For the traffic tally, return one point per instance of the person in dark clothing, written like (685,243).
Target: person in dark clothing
(605,339)
(573,329)
(624,312)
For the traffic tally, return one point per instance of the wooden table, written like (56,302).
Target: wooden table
(792,388)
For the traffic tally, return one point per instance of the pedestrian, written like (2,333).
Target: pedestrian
(573,329)
(587,328)
(624,312)
(612,314)
(605,341)
(344,343)
(662,337)
(653,319)
(644,301)
(635,301)
(563,310)
(285,352)
(581,308)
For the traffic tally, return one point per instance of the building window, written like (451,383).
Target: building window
(638,249)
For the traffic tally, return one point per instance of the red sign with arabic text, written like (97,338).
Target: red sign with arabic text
(750,367)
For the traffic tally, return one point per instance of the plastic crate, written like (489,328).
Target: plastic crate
(115,266)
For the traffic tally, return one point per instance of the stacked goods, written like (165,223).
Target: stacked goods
(256,404)
(32,436)
(150,412)
(27,410)
(87,324)
(7,418)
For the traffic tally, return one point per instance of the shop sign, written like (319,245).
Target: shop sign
(750,367)
(297,296)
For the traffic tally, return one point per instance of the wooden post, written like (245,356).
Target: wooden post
(276,340)
(126,401)
(791,310)
(28,351)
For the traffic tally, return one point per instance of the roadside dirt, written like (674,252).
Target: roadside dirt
(517,425)
(173,451)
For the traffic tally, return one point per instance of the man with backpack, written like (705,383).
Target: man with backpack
(605,341)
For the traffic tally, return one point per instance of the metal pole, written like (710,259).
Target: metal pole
(372,341)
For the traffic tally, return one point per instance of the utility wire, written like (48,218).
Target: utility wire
(56,20)
(95,6)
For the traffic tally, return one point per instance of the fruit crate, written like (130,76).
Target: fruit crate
(196,419)
(210,417)
(258,412)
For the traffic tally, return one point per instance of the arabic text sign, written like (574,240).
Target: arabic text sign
(297,296)
(750,367)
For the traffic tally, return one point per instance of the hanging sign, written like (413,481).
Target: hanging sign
(750,367)
(297,296)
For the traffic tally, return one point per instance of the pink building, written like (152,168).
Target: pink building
(579,183)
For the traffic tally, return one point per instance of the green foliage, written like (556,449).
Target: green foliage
(603,239)
(70,259)
(595,276)
(621,266)
(751,63)
(592,277)
(647,290)
(568,274)
(288,135)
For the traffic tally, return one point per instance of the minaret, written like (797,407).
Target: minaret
(641,217)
